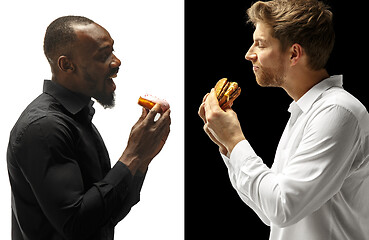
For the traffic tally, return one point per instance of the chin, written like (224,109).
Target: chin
(269,80)
(107,101)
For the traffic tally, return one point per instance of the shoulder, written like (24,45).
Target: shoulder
(340,97)
(337,108)
(41,117)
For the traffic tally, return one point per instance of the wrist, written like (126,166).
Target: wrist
(233,143)
(131,161)
(143,168)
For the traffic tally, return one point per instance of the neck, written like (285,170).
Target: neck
(299,83)
(67,83)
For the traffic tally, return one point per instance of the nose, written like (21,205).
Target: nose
(250,55)
(115,63)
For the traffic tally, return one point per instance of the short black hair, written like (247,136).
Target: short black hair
(60,36)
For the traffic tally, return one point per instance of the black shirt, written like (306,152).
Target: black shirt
(62,184)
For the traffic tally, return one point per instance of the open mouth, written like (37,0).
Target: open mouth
(110,80)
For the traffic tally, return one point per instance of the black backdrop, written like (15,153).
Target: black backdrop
(216,40)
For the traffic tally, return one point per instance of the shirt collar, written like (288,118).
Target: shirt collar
(308,99)
(71,101)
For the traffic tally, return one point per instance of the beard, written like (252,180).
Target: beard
(102,95)
(270,77)
(106,100)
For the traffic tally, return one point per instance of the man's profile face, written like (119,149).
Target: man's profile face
(95,62)
(266,57)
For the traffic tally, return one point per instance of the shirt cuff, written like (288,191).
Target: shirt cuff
(241,153)
(119,174)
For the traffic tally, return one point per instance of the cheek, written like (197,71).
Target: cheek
(98,74)
(94,78)
(268,58)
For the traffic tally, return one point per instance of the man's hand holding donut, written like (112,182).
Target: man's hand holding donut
(147,138)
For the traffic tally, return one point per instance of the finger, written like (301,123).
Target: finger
(142,117)
(167,113)
(204,99)
(164,122)
(166,134)
(211,136)
(201,112)
(229,106)
(144,113)
(163,139)
(211,105)
(228,109)
(165,117)
(211,102)
(152,113)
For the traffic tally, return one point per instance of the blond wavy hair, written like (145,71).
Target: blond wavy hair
(306,22)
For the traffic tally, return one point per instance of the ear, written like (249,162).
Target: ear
(296,53)
(65,64)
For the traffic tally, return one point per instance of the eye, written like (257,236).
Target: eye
(260,44)
(104,53)
(105,56)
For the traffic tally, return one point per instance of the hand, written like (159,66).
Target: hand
(201,113)
(222,127)
(146,139)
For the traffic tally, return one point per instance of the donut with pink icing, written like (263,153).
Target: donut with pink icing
(148,101)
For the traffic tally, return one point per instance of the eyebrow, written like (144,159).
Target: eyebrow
(106,46)
(260,40)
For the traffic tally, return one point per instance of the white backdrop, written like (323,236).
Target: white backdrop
(149,40)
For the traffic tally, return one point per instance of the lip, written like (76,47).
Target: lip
(114,73)
(111,81)
(255,68)
(112,84)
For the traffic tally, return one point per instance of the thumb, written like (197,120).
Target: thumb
(142,117)
(152,113)
(211,102)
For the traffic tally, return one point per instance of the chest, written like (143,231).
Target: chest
(91,154)
(290,141)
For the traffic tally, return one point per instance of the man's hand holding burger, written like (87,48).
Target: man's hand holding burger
(222,126)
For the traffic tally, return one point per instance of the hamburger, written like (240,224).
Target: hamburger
(226,92)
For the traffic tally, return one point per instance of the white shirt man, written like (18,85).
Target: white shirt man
(317,188)
(318,185)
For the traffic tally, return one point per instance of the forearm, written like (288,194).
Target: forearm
(100,203)
(131,199)
(247,173)
(243,197)
(287,197)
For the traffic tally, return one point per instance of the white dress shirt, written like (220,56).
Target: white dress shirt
(318,186)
